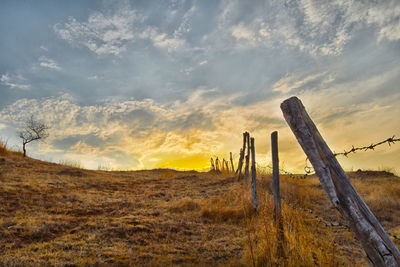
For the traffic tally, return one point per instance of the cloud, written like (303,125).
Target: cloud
(109,33)
(147,134)
(94,77)
(103,34)
(15,81)
(315,27)
(175,40)
(161,40)
(291,82)
(46,62)
(145,128)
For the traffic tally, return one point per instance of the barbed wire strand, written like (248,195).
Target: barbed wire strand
(391,140)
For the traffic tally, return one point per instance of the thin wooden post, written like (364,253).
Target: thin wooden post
(217,164)
(212,164)
(223,165)
(253,175)
(247,165)
(233,167)
(278,219)
(240,164)
(226,166)
(380,250)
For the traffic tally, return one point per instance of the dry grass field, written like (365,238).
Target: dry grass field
(53,214)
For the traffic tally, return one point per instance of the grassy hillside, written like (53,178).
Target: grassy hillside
(65,216)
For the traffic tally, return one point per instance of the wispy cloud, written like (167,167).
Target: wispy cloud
(316,27)
(46,62)
(291,82)
(162,40)
(102,33)
(15,81)
(109,33)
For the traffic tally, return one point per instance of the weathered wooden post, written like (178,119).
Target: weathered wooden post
(253,175)
(217,164)
(380,250)
(246,168)
(223,165)
(212,164)
(240,164)
(241,154)
(278,219)
(233,167)
(226,166)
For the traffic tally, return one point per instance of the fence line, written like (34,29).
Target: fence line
(338,193)
(308,169)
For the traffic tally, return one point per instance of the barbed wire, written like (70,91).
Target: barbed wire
(290,174)
(391,140)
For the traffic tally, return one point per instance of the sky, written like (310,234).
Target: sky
(171,83)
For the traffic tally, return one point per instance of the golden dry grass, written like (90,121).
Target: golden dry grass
(52,214)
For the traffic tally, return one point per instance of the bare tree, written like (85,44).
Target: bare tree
(33,131)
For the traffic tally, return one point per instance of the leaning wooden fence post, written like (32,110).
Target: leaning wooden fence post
(247,158)
(226,166)
(233,167)
(380,250)
(240,164)
(278,219)
(253,175)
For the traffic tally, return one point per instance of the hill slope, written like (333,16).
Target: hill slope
(60,215)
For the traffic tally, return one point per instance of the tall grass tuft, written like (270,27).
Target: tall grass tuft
(72,163)
(304,245)
(4,151)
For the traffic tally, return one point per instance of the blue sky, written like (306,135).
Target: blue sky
(143,84)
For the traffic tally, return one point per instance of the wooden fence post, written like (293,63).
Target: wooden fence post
(380,250)
(233,167)
(212,164)
(226,166)
(278,219)
(217,164)
(253,175)
(240,164)
(247,158)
